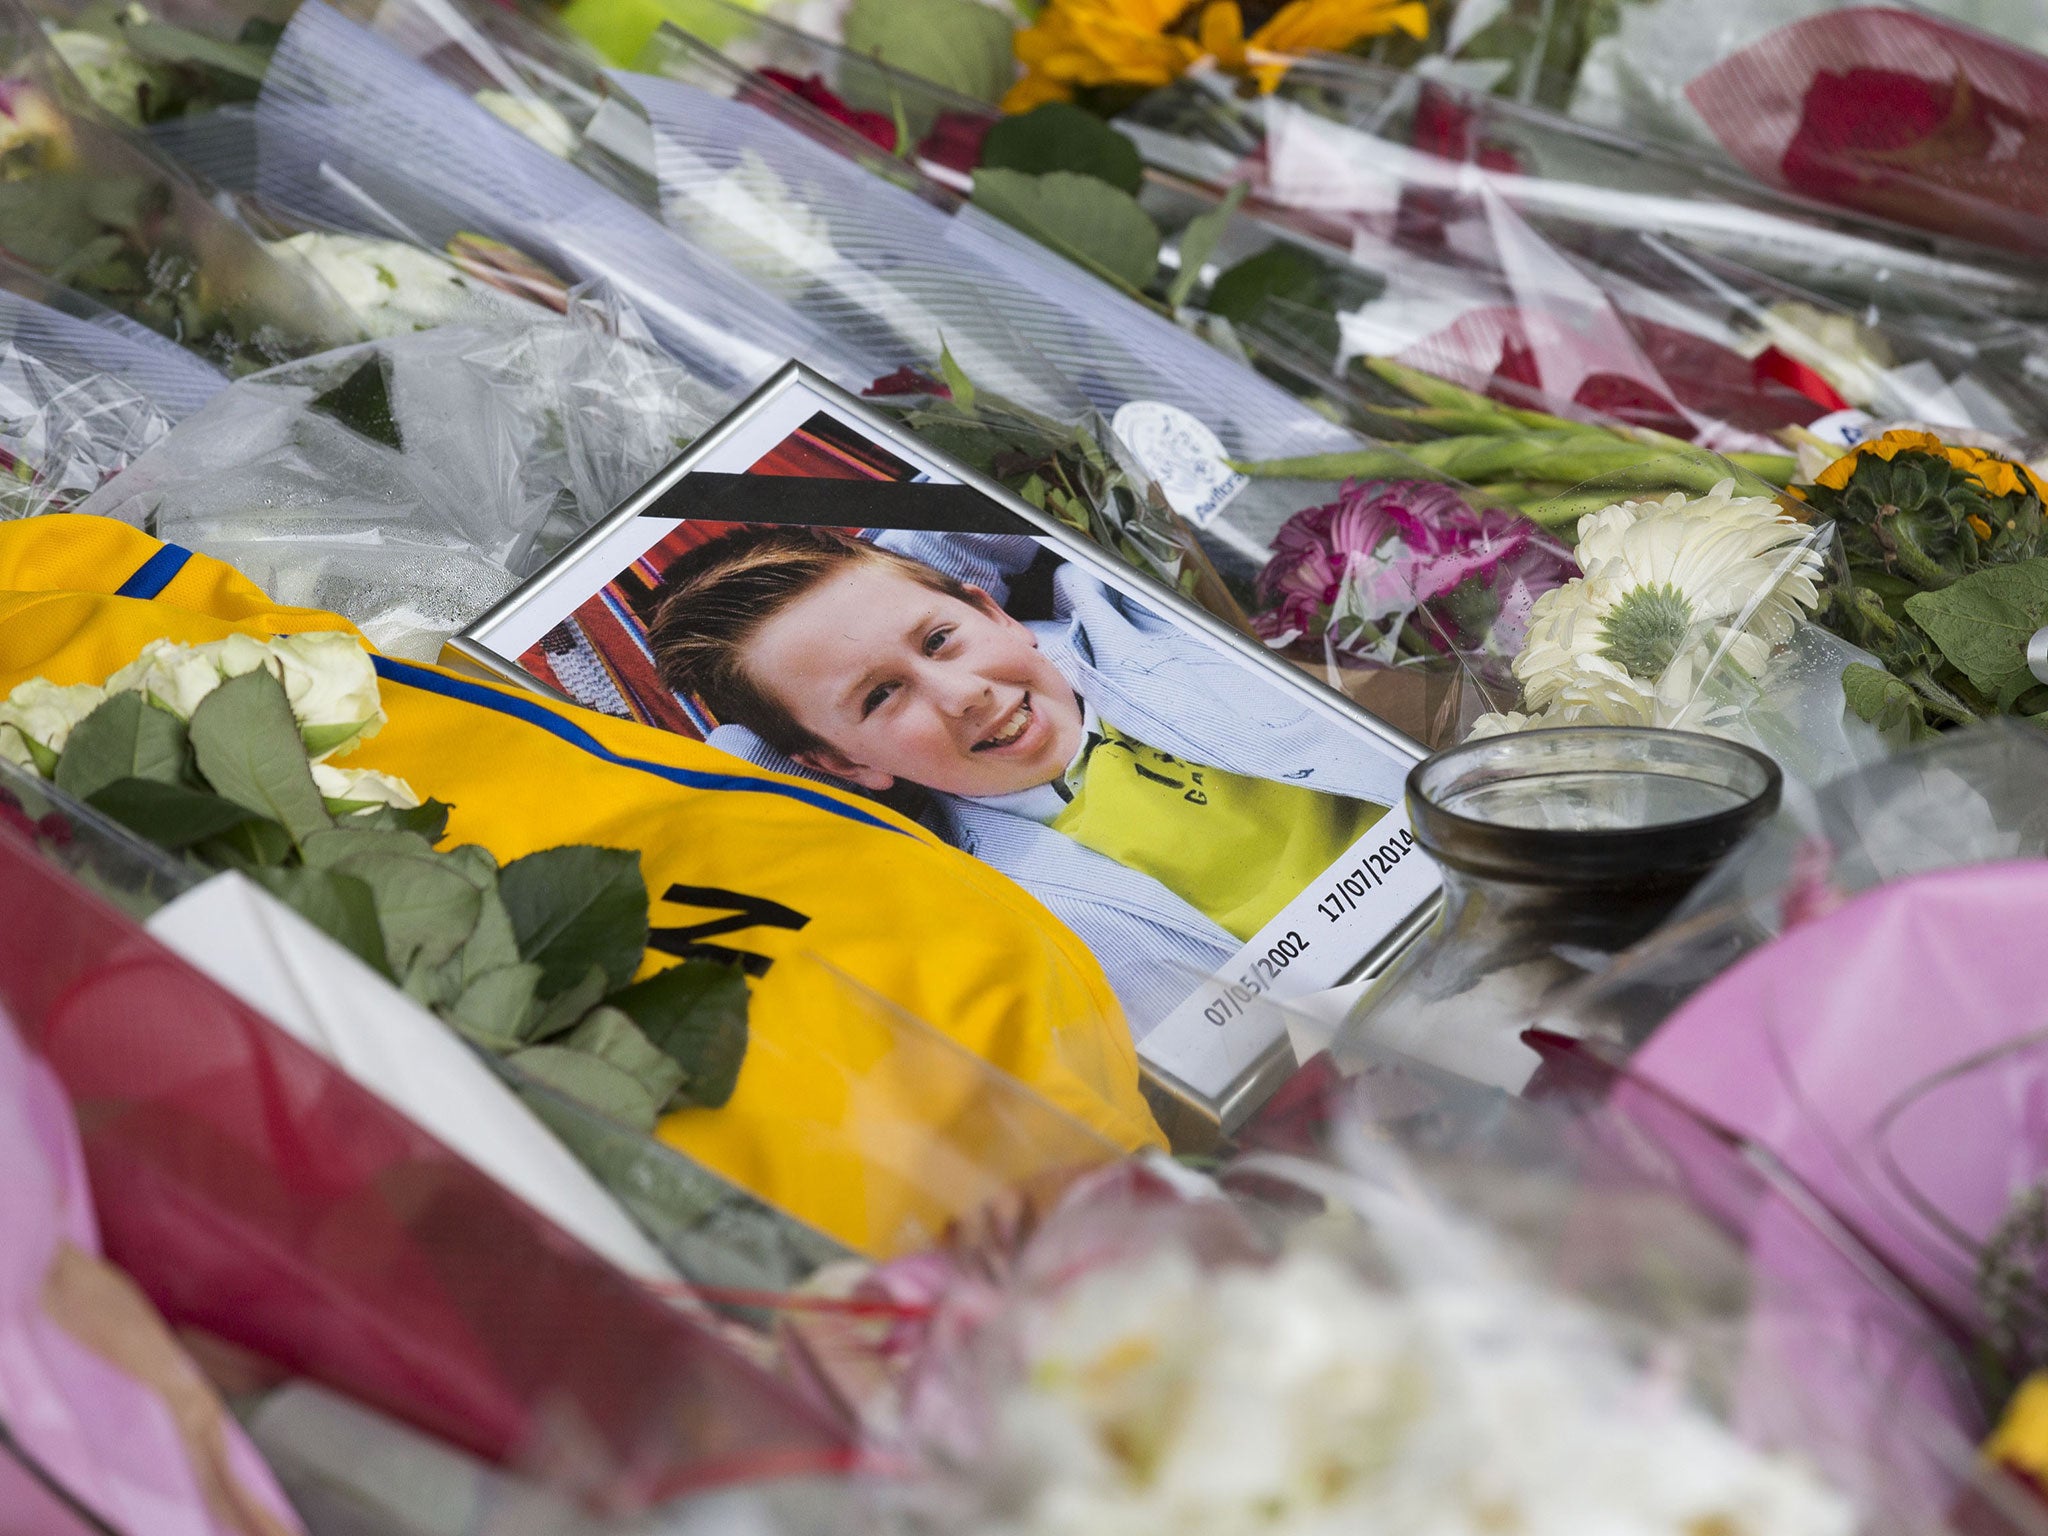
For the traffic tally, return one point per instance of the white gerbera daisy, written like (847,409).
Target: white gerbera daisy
(1672,590)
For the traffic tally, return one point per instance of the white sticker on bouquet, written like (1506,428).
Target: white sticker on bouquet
(1843,428)
(1183,456)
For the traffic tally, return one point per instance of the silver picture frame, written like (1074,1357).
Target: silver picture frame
(1193,1118)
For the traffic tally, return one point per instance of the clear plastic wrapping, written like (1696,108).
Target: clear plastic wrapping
(83,393)
(86,202)
(411,483)
(259,1195)
(353,134)
(916,259)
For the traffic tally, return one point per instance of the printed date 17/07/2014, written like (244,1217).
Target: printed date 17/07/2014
(1368,874)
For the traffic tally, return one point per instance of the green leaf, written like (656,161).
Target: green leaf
(612,1036)
(697,1013)
(362,403)
(1060,136)
(1085,220)
(492,944)
(324,850)
(323,740)
(247,745)
(1281,271)
(1199,240)
(167,44)
(173,816)
(591,1081)
(961,386)
(1982,623)
(1874,695)
(258,843)
(478,865)
(576,907)
(426,910)
(125,738)
(547,1019)
(340,906)
(429,820)
(494,1005)
(960,44)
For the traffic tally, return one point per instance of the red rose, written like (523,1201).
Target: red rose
(955,140)
(872,126)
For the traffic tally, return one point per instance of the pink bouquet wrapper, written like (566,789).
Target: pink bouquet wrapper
(1890,1054)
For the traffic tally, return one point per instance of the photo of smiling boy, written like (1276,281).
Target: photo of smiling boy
(1163,799)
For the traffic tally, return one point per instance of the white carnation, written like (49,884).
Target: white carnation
(364,787)
(332,686)
(42,714)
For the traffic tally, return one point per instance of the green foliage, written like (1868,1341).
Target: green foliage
(534,961)
(1199,240)
(125,738)
(173,816)
(1088,221)
(1059,136)
(362,403)
(697,1013)
(1944,582)
(578,907)
(959,44)
(246,742)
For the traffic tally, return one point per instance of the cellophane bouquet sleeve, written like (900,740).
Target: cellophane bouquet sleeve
(354,134)
(412,482)
(87,203)
(83,392)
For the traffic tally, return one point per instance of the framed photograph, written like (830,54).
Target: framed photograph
(811,588)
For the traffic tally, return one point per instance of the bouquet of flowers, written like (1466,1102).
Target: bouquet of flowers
(86,203)
(1940,574)
(338,140)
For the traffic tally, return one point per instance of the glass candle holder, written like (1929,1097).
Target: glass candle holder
(1559,848)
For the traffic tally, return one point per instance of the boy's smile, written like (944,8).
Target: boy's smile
(905,682)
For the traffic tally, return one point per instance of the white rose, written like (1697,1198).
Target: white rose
(332,687)
(238,654)
(171,676)
(14,748)
(534,118)
(393,288)
(362,788)
(42,714)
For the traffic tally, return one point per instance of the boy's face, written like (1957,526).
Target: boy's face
(904,682)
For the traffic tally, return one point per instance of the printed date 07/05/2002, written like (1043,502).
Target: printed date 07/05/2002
(1368,874)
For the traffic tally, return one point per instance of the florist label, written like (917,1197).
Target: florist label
(1183,456)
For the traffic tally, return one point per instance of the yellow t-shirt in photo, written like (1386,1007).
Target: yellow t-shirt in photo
(1236,848)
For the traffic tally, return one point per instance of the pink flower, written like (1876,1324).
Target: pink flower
(1354,572)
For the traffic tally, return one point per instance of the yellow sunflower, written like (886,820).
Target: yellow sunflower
(1080,43)
(1999,477)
